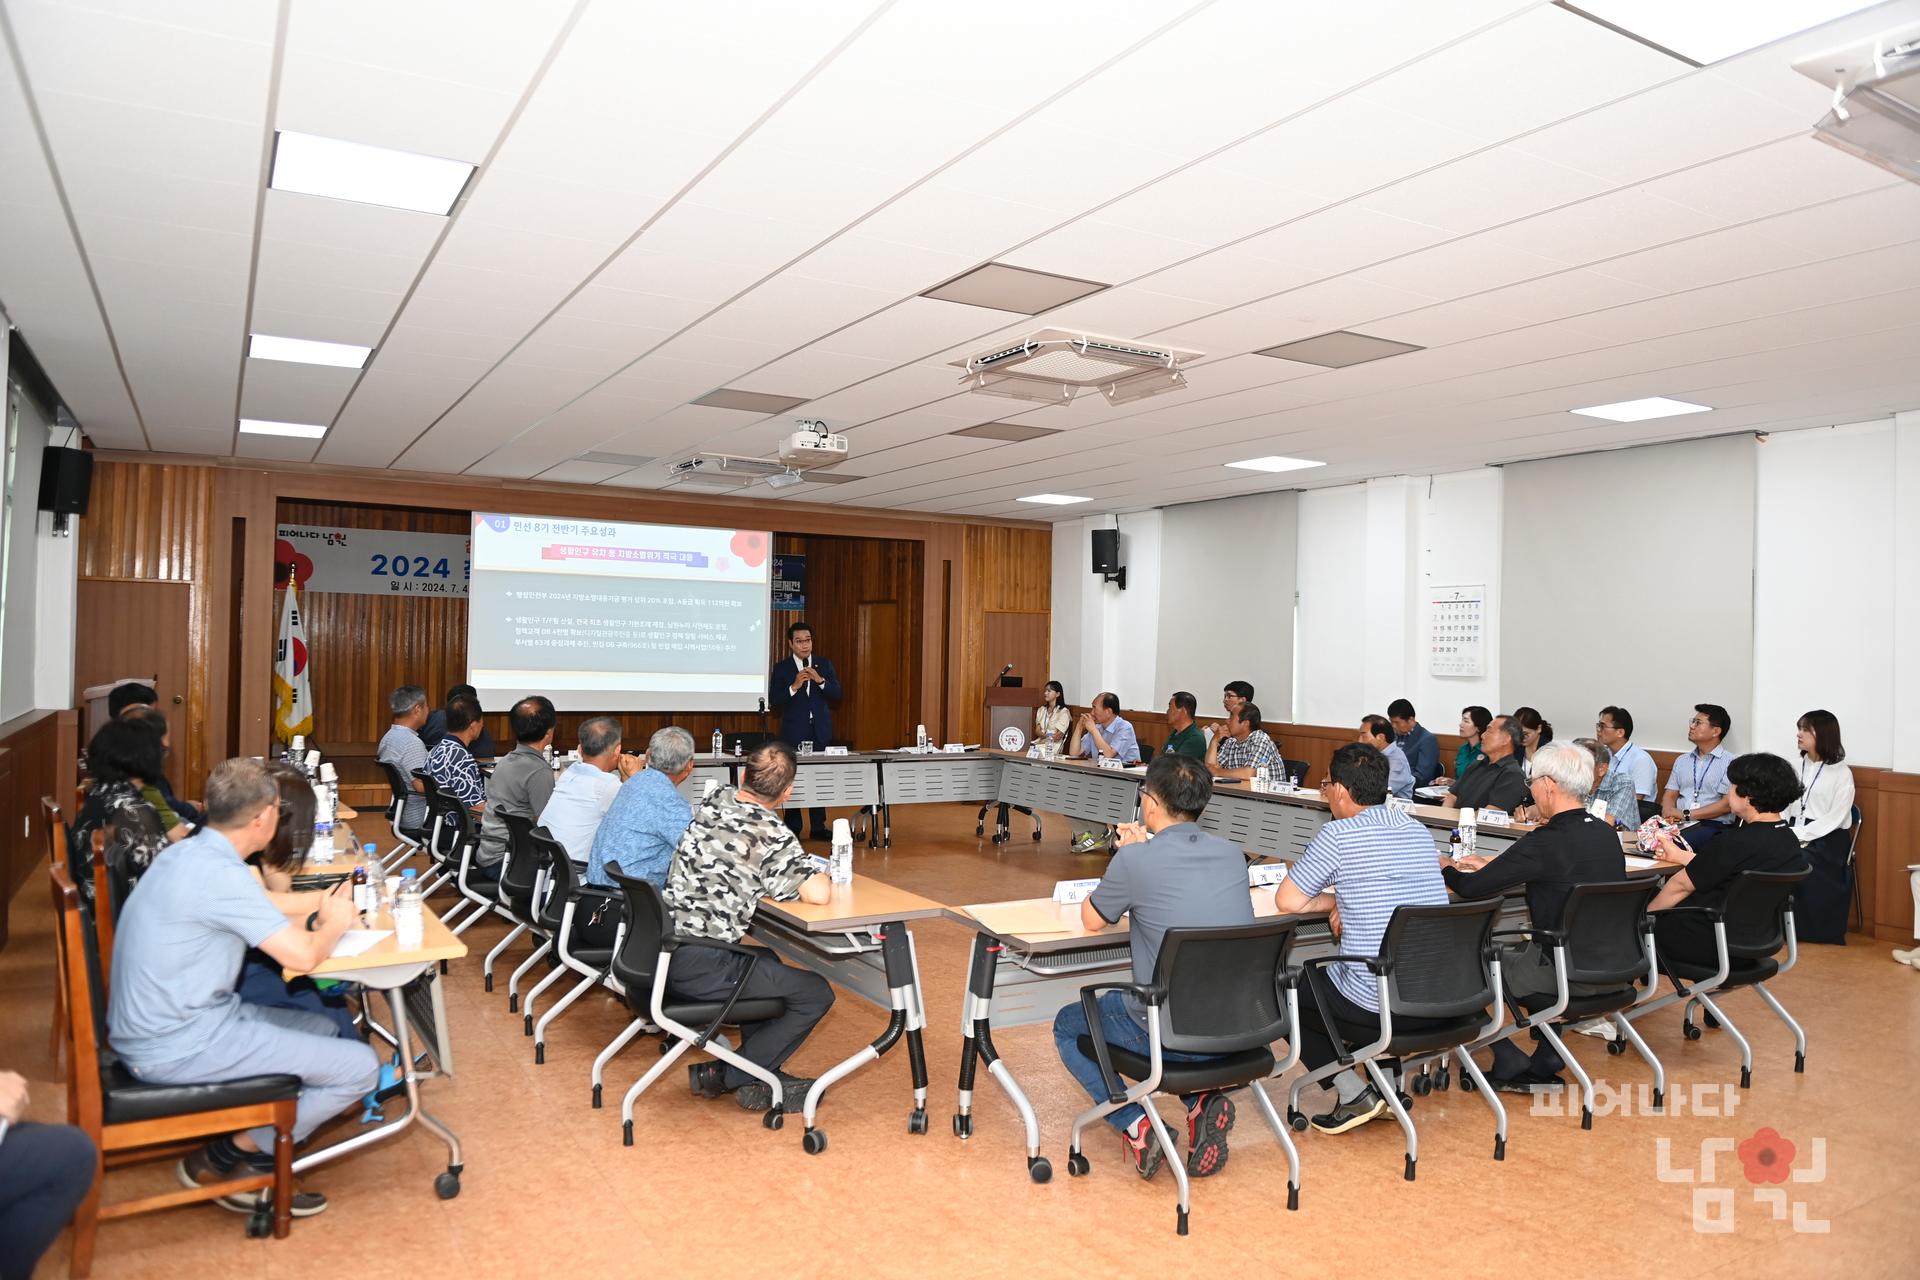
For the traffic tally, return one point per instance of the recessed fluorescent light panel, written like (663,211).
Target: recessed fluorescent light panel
(1338,349)
(316,166)
(340,355)
(1274,462)
(299,430)
(1705,31)
(1642,410)
(1053,499)
(1006,288)
(750,401)
(1005,431)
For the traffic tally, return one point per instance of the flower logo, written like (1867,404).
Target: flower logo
(289,565)
(1767,1156)
(750,546)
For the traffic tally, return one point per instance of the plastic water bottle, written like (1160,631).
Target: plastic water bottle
(1469,829)
(370,853)
(840,865)
(409,913)
(718,742)
(920,738)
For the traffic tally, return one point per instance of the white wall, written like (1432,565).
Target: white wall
(1629,580)
(1226,601)
(1105,638)
(1332,582)
(1823,617)
(1459,533)
(1903,579)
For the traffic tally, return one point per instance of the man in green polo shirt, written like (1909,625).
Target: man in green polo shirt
(1183,735)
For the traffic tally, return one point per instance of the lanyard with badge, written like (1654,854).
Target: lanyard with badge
(1696,776)
(1806,790)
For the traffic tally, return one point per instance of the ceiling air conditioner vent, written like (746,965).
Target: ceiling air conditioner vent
(1051,366)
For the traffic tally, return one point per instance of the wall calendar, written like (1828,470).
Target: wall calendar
(1457,645)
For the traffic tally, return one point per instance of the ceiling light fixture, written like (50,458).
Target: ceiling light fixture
(1005,288)
(1338,349)
(339,170)
(1274,462)
(298,430)
(339,355)
(1051,366)
(1707,31)
(1053,499)
(1642,410)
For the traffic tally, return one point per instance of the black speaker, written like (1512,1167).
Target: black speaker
(1106,550)
(66,480)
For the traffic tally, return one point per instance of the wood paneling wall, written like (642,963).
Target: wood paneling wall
(154,524)
(842,575)
(37,755)
(1003,569)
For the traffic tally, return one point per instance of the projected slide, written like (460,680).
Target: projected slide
(601,616)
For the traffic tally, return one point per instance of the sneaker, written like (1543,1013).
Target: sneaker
(1908,957)
(197,1169)
(1598,1027)
(1209,1120)
(1142,1146)
(754,1095)
(1351,1115)
(707,1079)
(1086,842)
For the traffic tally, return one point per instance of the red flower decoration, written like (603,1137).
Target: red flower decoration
(751,547)
(289,565)
(1768,1157)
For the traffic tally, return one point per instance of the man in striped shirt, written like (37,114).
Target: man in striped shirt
(1374,859)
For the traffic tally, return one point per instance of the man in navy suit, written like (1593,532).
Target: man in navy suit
(802,689)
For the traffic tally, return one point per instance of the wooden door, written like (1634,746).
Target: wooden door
(1020,637)
(879,692)
(127,628)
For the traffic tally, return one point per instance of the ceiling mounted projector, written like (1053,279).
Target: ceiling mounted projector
(812,446)
(1051,366)
(1876,100)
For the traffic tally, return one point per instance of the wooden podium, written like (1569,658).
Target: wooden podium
(1009,707)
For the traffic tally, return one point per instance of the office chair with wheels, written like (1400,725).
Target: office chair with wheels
(454,821)
(1438,965)
(519,879)
(1749,930)
(584,921)
(1604,946)
(1224,992)
(640,964)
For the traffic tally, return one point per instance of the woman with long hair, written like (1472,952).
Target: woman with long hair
(1052,718)
(1822,820)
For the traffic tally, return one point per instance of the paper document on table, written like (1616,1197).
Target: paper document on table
(1641,864)
(355,941)
(1028,918)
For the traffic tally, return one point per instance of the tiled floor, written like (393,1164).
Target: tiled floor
(707,1191)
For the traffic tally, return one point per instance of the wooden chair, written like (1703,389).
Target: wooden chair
(105,908)
(131,1122)
(56,827)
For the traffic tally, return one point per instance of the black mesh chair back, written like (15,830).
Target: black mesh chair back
(562,885)
(648,924)
(521,870)
(1223,986)
(1296,769)
(1605,945)
(1438,957)
(1756,912)
(397,782)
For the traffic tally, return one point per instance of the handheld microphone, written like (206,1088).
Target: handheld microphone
(1006,669)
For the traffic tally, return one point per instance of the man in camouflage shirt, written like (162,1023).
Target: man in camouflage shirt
(736,852)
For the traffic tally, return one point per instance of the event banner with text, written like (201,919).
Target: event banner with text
(603,616)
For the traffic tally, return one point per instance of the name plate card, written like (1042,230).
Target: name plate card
(836,751)
(1065,891)
(1265,875)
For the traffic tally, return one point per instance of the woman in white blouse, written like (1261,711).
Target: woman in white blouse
(1052,718)
(1822,819)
